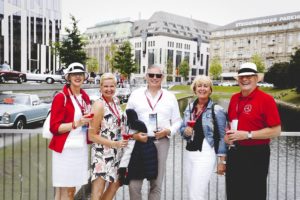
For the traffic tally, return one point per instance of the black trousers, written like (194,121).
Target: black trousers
(246,172)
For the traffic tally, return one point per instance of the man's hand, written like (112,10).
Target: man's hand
(162,133)
(141,137)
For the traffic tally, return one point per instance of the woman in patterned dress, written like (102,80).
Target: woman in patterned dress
(105,133)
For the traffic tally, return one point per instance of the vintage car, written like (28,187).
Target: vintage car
(123,94)
(48,78)
(18,109)
(94,93)
(7,74)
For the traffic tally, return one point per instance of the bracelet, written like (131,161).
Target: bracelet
(222,162)
(73,125)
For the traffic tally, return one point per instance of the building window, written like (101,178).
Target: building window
(178,58)
(138,59)
(150,57)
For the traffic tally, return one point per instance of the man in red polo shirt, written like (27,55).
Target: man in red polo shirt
(257,119)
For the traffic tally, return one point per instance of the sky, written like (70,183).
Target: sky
(219,12)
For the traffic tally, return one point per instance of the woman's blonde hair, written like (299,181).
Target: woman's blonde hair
(201,79)
(107,76)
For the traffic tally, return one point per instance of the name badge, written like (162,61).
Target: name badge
(152,123)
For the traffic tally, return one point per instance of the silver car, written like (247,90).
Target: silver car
(17,110)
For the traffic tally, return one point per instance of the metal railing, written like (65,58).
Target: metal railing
(25,169)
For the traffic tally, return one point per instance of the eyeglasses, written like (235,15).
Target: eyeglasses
(156,75)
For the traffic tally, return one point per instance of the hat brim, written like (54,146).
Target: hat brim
(247,74)
(260,76)
(86,75)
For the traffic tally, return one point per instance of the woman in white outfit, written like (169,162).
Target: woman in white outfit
(203,127)
(68,124)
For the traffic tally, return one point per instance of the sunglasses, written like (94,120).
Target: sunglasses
(156,75)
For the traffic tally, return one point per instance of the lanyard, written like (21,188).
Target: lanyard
(80,105)
(199,114)
(114,111)
(148,100)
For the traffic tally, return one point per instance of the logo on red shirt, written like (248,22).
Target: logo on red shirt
(247,108)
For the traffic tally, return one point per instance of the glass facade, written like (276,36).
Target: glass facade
(28,32)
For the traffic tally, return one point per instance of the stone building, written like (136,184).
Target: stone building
(274,38)
(162,38)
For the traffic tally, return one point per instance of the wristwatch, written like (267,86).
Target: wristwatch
(249,135)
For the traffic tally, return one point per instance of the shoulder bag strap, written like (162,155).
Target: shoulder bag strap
(216,135)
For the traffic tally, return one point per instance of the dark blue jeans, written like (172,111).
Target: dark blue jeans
(246,172)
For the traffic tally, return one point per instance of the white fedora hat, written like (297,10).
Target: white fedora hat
(247,69)
(75,68)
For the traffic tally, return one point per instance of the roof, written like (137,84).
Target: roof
(175,25)
(272,19)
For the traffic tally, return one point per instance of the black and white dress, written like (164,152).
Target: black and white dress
(106,160)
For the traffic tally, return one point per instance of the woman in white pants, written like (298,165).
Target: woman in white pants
(203,127)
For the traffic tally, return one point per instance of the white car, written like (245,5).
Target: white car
(264,84)
(48,78)
(227,83)
(94,93)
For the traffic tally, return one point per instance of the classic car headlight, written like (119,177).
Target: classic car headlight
(5,118)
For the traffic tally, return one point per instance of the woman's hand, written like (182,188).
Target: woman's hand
(188,131)
(120,144)
(221,168)
(83,121)
(226,139)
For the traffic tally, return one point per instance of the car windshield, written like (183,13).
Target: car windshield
(14,99)
(4,67)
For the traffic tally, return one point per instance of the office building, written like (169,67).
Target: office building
(165,39)
(27,31)
(102,36)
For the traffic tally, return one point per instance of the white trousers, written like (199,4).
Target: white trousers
(198,168)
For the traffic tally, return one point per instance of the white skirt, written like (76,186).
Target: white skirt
(70,168)
(198,168)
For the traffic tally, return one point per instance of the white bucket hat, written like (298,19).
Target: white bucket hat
(75,68)
(247,69)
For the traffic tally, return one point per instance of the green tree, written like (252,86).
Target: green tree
(215,68)
(169,70)
(278,75)
(294,70)
(70,49)
(257,59)
(184,69)
(92,65)
(123,60)
(110,58)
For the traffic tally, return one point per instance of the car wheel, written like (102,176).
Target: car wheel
(19,123)
(49,80)
(2,79)
(20,79)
